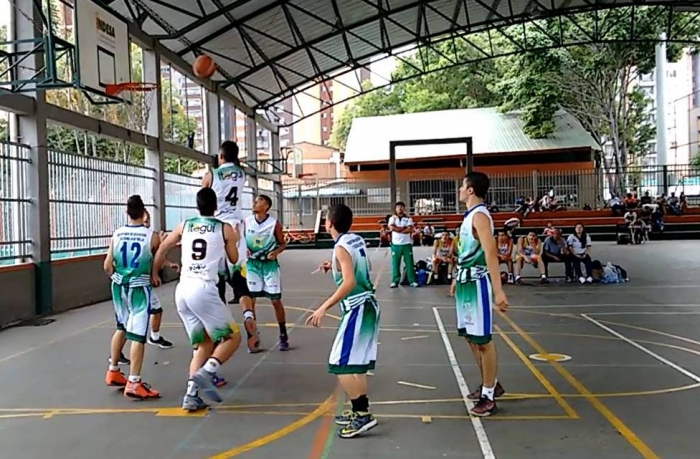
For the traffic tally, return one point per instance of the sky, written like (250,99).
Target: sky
(5,6)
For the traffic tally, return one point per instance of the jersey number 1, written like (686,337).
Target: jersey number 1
(232,196)
(136,249)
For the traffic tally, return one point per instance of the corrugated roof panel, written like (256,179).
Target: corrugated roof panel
(353,11)
(267,45)
(274,23)
(490,130)
(231,44)
(206,29)
(310,27)
(334,46)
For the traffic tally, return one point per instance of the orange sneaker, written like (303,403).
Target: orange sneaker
(115,378)
(140,390)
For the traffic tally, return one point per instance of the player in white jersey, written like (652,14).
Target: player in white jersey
(354,350)
(206,245)
(477,289)
(228,181)
(265,241)
(129,261)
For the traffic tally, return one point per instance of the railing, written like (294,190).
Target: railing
(180,198)
(429,194)
(88,200)
(15,243)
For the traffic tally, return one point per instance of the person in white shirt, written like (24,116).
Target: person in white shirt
(401,226)
(579,245)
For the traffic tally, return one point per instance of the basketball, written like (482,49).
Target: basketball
(204,66)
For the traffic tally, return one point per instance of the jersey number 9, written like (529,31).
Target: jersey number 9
(199,249)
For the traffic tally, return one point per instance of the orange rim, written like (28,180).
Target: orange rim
(116,89)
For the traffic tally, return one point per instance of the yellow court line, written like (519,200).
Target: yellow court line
(276,435)
(539,376)
(616,422)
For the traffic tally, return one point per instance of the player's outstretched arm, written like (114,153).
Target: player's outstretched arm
(166,246)
(231,237)
(482,224)
(206,180)
(343,290)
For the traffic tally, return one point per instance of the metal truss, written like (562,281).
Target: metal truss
(315,41)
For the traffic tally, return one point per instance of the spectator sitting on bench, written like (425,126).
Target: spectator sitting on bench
(442,253)
(631,224)
(417,235)
(505,252)
(549,230)
(579,245)
(674,204)
(528,251)
(646,199)
(384,236)
(616,205)
(428,234)
(683,203)
(554,250)
(631,201)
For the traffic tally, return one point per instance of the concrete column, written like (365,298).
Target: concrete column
(276,155)
(212,123)
(251,148)
(660,81)
(155,157)
(32,131)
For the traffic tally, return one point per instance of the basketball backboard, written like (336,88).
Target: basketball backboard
(102,42)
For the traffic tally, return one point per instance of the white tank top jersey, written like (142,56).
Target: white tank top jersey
(228,181)
(260,236)
(203,248)
(355,245)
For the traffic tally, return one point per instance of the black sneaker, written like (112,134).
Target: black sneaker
(359,424)
(122,360)
(498,392)
(160,342)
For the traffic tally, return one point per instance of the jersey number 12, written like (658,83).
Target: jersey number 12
(136,249)
(232,196)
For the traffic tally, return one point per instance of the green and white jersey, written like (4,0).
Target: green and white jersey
(203,248)
(132,255)
(260,236)
(470,252)
(227,182)
(356,247)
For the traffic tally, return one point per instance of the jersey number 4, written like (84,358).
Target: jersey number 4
(136,253)
(232,196)
(199,249)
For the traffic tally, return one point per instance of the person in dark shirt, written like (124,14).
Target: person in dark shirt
(646,199)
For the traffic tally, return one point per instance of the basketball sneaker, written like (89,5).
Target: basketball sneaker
(359,424)
(497,392)
(484,408)
(115,378)
(193,403)
(140,390)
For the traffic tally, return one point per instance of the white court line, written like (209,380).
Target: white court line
(448,305)
(653,354)
(481,436)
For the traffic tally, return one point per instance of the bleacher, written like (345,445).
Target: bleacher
(600,224)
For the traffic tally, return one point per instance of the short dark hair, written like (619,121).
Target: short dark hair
(267,199)
(135,208)
(229,150)
(479,182)
(400,203)
(340,216)
(206,202)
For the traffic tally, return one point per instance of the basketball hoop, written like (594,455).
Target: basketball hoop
(138,99)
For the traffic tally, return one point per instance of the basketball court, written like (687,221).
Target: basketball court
(578,362)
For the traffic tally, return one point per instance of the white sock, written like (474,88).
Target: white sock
(113,368)
(248,315)
(488,391)
(155,336)
(212,365)
(191,388)
(134,378)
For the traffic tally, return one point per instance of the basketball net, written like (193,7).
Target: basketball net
(138,99)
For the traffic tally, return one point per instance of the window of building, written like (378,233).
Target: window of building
(306,206)
(324,128)
(324,115)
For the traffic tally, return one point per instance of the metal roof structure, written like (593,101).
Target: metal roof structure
(267,50)
(491,131)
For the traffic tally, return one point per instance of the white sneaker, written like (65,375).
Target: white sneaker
(414,284)
(589,279)
(393,285)
(582,279)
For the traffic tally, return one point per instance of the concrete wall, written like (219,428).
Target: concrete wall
(16,293)
(75,282)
